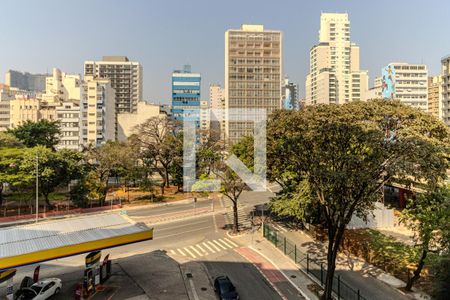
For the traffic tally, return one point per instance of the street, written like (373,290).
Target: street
(187,242)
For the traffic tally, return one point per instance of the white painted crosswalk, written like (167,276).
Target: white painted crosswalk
(205,248)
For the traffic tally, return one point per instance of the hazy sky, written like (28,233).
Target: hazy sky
(164,35)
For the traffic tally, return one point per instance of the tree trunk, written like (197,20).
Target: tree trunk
(235,218)
(334,240)
(417,272)
(162,187)
(166,177)
(46,199)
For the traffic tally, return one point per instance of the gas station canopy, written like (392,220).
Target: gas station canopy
(48,240)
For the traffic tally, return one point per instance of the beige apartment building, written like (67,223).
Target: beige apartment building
(335,76)
(62,87)
(128,121)
(435,96)
(98,112)
(125,76)
(26,108)
(217,103)
(445,73)
(253,76)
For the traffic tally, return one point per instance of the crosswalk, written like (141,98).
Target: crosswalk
(205,248)
(244,218)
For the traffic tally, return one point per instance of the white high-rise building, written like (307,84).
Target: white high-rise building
(411,84)
(445,73)
(125,77)
(62,87)
(25,81)
(335,76)
(98,111)
(69,116)
(435,103)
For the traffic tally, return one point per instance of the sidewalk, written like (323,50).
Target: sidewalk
(278,269)
(373,282)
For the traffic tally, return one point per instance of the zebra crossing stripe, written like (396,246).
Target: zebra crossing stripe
(181,252)
(226,244)
(203,250)
(172,252)
(189,252)
(214,246)
(196,251)
(231,242)
(209,248)
(219,244)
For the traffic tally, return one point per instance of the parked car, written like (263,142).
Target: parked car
(41,290)
(225,288)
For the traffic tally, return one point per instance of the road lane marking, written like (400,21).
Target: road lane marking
(209,248)
(219,244)
(181,252)
(172,252)
(196,251)
(189,252)
(214,246)
(203,250)
(231,242)
(225,243)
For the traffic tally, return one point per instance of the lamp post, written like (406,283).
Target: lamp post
(37,188)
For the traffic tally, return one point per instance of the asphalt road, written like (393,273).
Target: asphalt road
(200,239)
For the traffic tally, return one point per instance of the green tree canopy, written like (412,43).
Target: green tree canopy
(348,152)
(42,133)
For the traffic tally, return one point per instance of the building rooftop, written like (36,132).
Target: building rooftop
(115,58)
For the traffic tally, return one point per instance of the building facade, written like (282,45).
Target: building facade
(186,90)
(68,114)
(289,91)
(62,87)
(205,121)
(445,73)
(334,75)
(253,76)
(435,107)
(98,112)
(25,81)
(125,77)
(217,103)
(128,121)
(411,84)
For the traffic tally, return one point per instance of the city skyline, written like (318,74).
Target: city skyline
(151,36)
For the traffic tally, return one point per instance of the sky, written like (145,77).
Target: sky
(37,36)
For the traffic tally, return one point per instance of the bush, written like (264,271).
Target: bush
(441,282)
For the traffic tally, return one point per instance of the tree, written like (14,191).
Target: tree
(158,145)
(441,282)
(44,133)
(428,216)
(232,187)
(102,162)
(8,140)
(10,173)
(55,168)
(348,152)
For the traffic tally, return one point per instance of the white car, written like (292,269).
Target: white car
(42,290)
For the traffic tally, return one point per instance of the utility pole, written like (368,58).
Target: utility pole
(37,188)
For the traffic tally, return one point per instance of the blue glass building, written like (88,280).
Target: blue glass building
(186,95)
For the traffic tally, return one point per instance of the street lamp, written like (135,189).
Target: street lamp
(37,188)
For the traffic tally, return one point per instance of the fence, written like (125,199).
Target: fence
(314,268)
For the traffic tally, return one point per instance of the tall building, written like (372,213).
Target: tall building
(205,121)
(25,81)
(435,96)
(186,87)
(334,74)
(411,84)
(253,70)
(445,73)
(69,116)
(5,97)
(217,104)
(289,91)
(125,77)
(98,112)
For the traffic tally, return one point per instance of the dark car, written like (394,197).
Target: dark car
(225,288)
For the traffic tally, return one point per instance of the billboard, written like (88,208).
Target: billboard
(388,82)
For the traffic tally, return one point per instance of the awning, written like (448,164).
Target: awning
(34,243)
